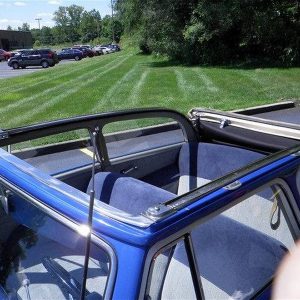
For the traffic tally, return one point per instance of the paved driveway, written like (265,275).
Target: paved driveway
(7,72)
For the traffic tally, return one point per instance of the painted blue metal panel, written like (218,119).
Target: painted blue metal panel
(104,226)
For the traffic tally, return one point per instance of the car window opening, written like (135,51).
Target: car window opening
(154,160)
(241,238)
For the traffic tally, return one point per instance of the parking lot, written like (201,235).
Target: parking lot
(7,72)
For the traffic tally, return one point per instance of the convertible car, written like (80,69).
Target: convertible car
(149,204)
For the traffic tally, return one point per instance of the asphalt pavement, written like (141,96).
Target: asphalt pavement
(8,72)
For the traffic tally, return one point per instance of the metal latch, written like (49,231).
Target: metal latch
(129,170)
(224,123)
(4,199)
(3,134)
(296,153)
(233,186)
(157,211)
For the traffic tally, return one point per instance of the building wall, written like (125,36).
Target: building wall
(10,40)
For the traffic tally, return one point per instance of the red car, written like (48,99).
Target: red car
(4,55)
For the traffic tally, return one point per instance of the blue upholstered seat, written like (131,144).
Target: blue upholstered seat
(126,193)
(200,163)
(234,261)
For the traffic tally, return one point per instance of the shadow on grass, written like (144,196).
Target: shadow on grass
(244,65)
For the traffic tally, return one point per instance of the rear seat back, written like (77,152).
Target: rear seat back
(200,163)
(233,260)
(203,162)
(126,193)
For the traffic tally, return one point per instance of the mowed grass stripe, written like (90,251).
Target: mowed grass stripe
(111,93)
(161,89)
(274,82)
(95,92)
(60,69)
(207,81)
(53,77)
(56,89)
(188,83)
(119,94)
(53,81)
(134,96)
(42,108)
(234,89)
(126,80)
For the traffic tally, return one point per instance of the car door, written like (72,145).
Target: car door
(232,252)
(67,54)
(35,58)
(24,59)
(1,55)
(48,253)
(63,54)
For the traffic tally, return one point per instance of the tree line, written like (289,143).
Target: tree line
(74,24)
(215,32)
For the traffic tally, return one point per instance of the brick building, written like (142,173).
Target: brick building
(10,39)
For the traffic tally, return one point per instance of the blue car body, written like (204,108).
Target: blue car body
(149,251)
(70,54)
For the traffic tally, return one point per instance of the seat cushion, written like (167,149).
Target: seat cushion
(126,193)
(234,261)
(200,163)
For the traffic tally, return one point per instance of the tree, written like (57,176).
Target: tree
(220,31)
(35,34)
(46,36)
(59,35)
(107,28)
(90,25)
(67,19)
(9,28)
(24,27)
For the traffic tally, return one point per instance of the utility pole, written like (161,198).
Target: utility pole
(98,29)
(39,19)
(112,20)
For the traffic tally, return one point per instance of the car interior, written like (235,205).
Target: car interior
(144,160)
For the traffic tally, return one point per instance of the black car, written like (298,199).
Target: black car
(85,50)
(70,54)
(36,57)
(115,47)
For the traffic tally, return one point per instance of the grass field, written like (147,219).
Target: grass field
(129,80)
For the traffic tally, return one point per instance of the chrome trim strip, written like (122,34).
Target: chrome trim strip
(287,103)
(138,128)
(79,197)
(254,124)
(74,171)
(75,227)
(142,154)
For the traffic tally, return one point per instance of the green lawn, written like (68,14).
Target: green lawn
(128,80)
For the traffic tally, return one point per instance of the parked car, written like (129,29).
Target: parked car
(18,51)
(86,51)
(151,203)
(85,46)
(4,55)
(106,50)
(114,47)
(36,57)
(98,50)
(70,54)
